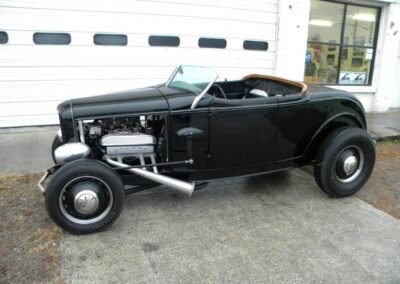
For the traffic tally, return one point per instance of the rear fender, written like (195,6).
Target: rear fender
(335,122)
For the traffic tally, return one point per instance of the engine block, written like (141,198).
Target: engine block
(126,144)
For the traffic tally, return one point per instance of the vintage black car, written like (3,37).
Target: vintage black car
(192,130)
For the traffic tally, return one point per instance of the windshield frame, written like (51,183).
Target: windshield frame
(198,97)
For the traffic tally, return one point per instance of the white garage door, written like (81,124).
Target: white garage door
(54,50)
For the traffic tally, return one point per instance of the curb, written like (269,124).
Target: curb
(387,138)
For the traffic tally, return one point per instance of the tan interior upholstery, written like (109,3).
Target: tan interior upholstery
(302,86)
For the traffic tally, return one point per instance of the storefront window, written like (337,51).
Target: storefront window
(341,43)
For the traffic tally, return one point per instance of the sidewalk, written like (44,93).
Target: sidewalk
(27,149)
(384,125)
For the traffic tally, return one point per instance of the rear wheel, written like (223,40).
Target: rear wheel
(85,196)
(344,161)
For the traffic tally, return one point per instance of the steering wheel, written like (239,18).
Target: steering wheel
(220,90)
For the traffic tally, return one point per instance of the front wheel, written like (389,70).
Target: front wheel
(344,161)
(85,196)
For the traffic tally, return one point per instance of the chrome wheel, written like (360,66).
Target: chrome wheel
(349,164)
(85,200)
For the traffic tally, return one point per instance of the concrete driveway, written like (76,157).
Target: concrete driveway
(276,228)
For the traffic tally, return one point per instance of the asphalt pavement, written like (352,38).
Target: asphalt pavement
(277,228)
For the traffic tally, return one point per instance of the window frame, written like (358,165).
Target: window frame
(342,46)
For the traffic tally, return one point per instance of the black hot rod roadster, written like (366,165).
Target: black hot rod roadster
(192,130)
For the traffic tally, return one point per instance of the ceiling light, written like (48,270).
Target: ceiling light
(321,23)
(364,17)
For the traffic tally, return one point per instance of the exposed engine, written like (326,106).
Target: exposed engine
(134,140)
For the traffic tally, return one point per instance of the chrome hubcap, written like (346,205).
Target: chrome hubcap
(86,202)
(350,165)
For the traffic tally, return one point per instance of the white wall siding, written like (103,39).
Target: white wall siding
(35,78)
(292,38)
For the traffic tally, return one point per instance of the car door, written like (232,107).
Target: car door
(297,120)
(185,123)
(241,135)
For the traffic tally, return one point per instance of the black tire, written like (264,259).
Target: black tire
(344,161)
(56,143)
(77,178)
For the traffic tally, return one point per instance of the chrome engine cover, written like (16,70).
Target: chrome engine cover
(123,144)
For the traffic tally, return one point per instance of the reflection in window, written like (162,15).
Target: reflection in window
(360,26)
(341,43)
(356,63)
(322,67)
(325,22)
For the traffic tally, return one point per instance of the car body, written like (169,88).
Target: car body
(194,129)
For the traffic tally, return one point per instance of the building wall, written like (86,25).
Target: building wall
(291,45)
(35,78)
(395,102)
(292,38)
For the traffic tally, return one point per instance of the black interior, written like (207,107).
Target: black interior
(241,89)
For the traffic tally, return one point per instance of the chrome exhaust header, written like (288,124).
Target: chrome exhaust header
(182,186)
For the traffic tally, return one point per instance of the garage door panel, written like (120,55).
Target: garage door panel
(128,6)
(127,9)
(120,56)
(61,90)
(34,78)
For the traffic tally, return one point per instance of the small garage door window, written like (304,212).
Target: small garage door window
(110,39)
(212,42)
(3,37)
(255,45)
(156,40)
(51,38)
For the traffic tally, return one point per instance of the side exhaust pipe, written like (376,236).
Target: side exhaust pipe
(177,184)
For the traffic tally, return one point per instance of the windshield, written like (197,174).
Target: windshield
(195,79)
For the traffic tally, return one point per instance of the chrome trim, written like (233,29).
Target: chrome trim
(59,135)
(71,151)
(86,202)
(40,183)
(73,121)
(356,172)
(172,75)
(81,133)
(199,97)
(179,185)
(85,221)
(350,165)
(134,139)
(166,128)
